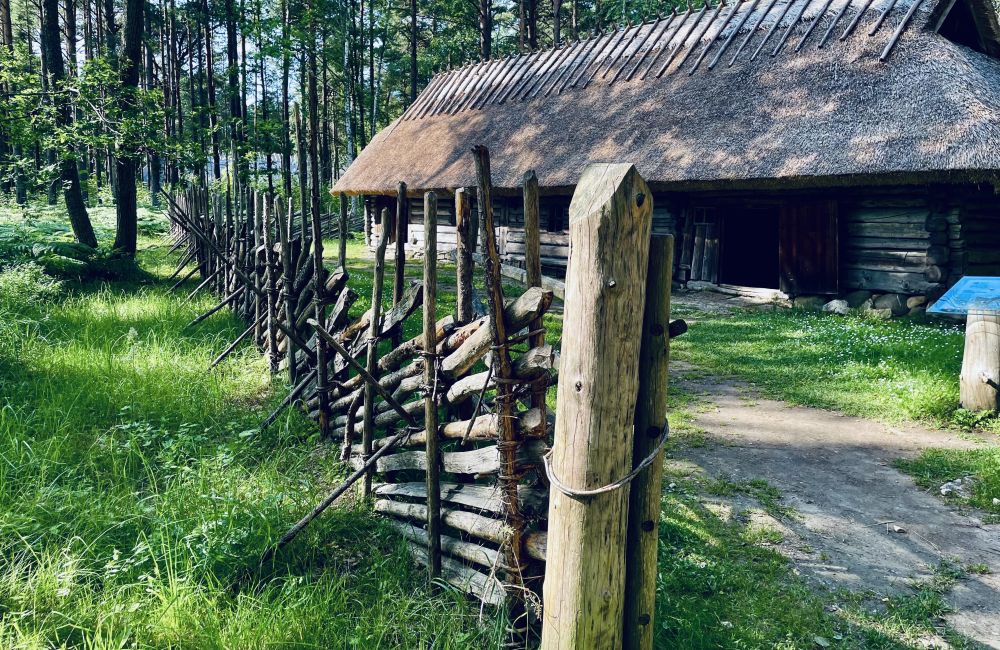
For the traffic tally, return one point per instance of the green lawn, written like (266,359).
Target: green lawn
(134,490)
(893,371)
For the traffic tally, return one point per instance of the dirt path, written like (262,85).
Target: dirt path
(836,473)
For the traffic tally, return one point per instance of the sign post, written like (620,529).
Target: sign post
(979,299)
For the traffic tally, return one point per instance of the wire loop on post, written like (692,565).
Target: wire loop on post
(574,493)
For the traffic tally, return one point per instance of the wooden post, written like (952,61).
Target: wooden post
(533,270)
(399,272)
(375,324)
(978,387)
(343,232)
(464,236)
(532,234)
(610,221)
(271,282)
(650,417)
(288,281)
(319,282)
(507,443)
(433,474)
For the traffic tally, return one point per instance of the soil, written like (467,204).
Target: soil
(858,523)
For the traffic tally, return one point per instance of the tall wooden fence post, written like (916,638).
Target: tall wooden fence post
(533,271)
(610,220)
(981,362)
(464,237)
(433,474)
(650,418)
(375,326)
(399,271)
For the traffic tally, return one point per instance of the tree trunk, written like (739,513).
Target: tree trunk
(485,29)
(286,64)
(154,155)
(413,51)
(127,158)
(556,22)
(213,110)
(78,217)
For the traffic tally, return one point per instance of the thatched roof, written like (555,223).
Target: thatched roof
(777,92)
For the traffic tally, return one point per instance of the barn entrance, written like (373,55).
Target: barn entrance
(749,255)
(790,245)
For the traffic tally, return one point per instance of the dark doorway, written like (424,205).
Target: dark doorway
(808,250)
(750,248)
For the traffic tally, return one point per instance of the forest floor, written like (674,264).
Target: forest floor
(135,488)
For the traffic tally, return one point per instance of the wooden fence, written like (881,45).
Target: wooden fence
(448,432)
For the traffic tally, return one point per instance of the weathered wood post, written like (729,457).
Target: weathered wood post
(319,313)
(464,237)
(508,439)
(610,220)
(375,325)
(399,271)
(650,419)
(288,280)
(433,475)
(342,244)
(978,386)
(533,270)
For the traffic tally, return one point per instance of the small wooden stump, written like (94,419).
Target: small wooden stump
(978,387)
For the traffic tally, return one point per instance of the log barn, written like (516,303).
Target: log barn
(810,147)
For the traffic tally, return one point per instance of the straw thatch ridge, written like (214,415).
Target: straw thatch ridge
(845,112)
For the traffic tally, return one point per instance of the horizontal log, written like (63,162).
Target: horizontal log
(889,241)
(491,530)
(529,306)
(480,462)
(906,283)
(528,367)
(516,236)
(484,427)
(544,250)
(896,230)
(474,583)
(487,498)
(474,553)
(888,215)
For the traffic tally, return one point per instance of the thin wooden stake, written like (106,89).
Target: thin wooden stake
(650,418)
(464,237)
(533,268)
(368,433)
(433,474)
(508,440)
(399,271)
(288,281)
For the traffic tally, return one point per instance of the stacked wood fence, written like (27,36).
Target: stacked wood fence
(448,432)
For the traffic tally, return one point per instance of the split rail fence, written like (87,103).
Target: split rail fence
(448,432)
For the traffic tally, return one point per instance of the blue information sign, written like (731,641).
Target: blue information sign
(970,294)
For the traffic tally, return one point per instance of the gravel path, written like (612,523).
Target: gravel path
(861,523)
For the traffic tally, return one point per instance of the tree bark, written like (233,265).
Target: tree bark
(75,207)
(126,160)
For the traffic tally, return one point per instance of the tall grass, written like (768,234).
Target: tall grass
(135,490)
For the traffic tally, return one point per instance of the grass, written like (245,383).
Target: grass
(892,371)
(135,489)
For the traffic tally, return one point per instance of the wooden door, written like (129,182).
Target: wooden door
(808,248)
